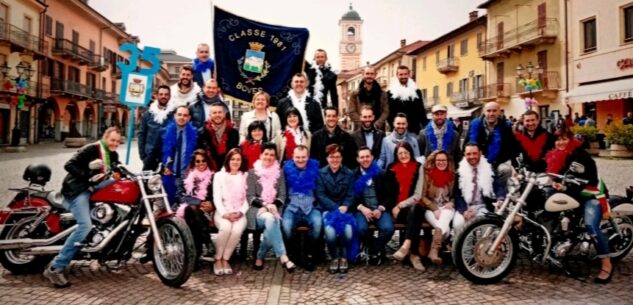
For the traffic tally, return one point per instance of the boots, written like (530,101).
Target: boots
(435,246)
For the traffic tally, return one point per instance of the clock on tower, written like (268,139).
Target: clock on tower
(351,44)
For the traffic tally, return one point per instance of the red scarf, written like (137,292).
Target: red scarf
(404,176)
(441,178)
(290,144)
(251,151)
(533,147)
(220,147)
(556,158)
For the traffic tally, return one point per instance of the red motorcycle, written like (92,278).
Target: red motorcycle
(34,226)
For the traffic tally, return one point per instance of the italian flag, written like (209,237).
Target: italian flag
(598,192)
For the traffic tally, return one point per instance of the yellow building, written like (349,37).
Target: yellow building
(524,37)
(387,66)
(449,70)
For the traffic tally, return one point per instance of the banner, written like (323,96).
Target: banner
(252,56)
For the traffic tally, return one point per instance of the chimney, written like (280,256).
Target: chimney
(403,42)
(473,15)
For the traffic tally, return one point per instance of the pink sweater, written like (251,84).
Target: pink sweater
(229,192)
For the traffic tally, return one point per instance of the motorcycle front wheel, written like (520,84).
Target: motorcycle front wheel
(176,263)
(470,252)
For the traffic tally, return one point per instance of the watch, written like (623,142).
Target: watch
(350,48)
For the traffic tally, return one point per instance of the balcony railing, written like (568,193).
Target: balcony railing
(98,63)
(69,49)
(530,34)
(21,40)
(71,88)
(494,91)
(550,81)
(463,98)
(450,64)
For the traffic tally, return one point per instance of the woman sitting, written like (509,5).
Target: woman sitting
(229,189)
(252,145)
(335,194)
(266,194)
(293,135)
(437,196)
(405,177)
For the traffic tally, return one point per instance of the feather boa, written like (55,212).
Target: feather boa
(495,147)
(159,115)
(403,93)
(300,104)
(446,139)
(199,66)
(370,173)
(181,98)
(302,181)
(233,193)
(556,158)
(339,221)
(318,81)
(484,179)
(197,183)
(169,148)
(268,177)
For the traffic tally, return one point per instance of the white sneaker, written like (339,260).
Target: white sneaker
(57,277)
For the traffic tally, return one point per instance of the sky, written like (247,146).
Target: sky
(181,25)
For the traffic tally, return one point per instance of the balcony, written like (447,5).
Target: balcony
(68,87)
(467,99)
(499,92)
(550,84)
(67,49)
(99,95)
(98,64)
(433,100)
(525,36)
(446,65)
(33,89)
(22,41)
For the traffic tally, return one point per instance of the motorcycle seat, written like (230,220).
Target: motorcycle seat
(56,199)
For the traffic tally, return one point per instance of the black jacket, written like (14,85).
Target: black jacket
(78,178)
(206,142)
(329,85)
(321,139)
(196,110)
(380,182)
(313,111)
(377,134)
(149,134)
(416,114)
(508,146)
(540,143)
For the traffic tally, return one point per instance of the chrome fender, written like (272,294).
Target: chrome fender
(560,202)
(623,209)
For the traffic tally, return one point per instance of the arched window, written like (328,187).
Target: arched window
(351,33)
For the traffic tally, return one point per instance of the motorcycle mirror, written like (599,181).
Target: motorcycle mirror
(577,168)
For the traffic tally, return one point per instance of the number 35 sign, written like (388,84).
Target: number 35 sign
(136,84)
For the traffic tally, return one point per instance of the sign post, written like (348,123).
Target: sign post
(136,84)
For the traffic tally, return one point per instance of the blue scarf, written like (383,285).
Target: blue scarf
(338,221)
(169,148)
(302,181)
(447,138)
(200,67)
(361,183)
(495,147)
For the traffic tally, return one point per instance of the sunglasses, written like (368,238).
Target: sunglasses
(200,161)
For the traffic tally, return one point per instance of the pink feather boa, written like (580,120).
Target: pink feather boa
(197,183)
(267,178)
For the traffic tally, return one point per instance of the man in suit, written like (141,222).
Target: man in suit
(300,98)
(368,135)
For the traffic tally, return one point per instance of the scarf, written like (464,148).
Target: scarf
(397,138)
(197,183)
(363,181)
(403,93)
(557,159)
(293,137)
(268,178)
(318,80)
(338,221)
(199,66)
(104,155)
(159,115)
(484,179)
(599,193)
(404,177)
(495,147)
(439,138)
(219,137)
(169,149)
(302,181)
(300,104)
(251,151)
(441,178)
(533,147)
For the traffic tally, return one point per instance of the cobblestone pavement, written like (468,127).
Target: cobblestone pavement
(391,283)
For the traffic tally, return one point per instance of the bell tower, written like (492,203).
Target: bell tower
(351,44)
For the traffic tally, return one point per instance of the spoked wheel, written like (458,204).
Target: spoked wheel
(14,260)
(471,255)
(176,263)
(621,245)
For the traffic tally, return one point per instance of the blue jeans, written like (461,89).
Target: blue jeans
(272,235)
(593,216)
(332,240)
(385,231)
(292,219)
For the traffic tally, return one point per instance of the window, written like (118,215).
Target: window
(92,46)
(424,63)
(91,80)
(4,13)
(589,35)
(437,57)
(463,84)
(449,89)
(480,42)
(27,24)
(48,25)
(628,23)
(436,91)
(424,95)
(450,51)
(59,30)
(464,47)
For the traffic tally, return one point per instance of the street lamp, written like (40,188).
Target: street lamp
(24,73)
(530,81)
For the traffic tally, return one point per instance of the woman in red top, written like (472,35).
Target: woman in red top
(252,145)
(293,135)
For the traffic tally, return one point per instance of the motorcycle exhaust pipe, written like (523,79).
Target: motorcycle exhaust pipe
(21,243)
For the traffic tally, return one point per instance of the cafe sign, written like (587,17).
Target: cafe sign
(621,94)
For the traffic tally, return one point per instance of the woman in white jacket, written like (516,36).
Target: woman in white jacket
(229,196)
(261,101)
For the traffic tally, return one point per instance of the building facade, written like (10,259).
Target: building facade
(172,62)
(387,66)
(601,58)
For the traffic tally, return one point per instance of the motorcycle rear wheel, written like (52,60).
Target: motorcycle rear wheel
(175,265)
(470,252)
(622,244)
(16,262)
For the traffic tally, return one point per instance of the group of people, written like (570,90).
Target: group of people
(296,166)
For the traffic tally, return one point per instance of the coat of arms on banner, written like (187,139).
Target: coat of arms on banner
(253,63)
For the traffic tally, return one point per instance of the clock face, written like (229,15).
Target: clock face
(350,48)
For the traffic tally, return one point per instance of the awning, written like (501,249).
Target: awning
(454,112)
(614,90)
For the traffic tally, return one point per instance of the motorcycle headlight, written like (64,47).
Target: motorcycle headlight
(155,183)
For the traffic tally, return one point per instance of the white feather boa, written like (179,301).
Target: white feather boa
(403,93)
(485,177)
(300,104)
(318,82)
(159,115)
(179,98)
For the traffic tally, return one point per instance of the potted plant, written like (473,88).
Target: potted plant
(620,138)
(590,134)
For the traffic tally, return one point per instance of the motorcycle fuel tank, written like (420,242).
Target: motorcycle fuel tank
(560,202)
(122,191)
